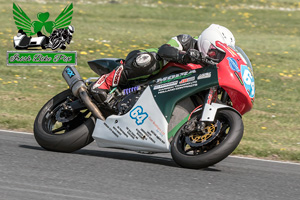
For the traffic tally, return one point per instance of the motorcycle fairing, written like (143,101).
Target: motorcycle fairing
(23,41)
(104,65)
(36,41)
(143,128)
(168,91)
(234,79)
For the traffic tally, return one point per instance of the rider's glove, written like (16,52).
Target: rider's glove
(210,61)
(192,56)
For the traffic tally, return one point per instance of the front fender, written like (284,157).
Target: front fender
(210,111)
(207,113)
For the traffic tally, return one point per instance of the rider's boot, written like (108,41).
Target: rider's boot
(101,87)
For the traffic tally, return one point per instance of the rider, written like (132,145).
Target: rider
(181,49)
(62,34)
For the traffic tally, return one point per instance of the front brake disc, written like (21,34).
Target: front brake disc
(201,138)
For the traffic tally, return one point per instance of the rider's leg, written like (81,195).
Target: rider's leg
(137,65)
(100,88)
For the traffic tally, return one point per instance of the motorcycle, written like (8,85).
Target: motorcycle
(60,37)
(193,112)
(22,41)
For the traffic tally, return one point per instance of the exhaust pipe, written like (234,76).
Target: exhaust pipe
(78,88)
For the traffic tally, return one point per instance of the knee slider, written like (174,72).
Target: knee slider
(144,60)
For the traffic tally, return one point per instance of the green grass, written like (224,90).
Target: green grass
(267,30)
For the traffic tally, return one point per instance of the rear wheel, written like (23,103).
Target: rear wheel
(59,129)
(214,142)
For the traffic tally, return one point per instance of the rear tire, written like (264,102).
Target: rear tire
(76,136)
(213,152)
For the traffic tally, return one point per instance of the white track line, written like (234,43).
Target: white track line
(19,132)
(240,157)
(263,160)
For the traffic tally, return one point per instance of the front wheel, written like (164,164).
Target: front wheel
(58,129)
(208,146)
(56,43)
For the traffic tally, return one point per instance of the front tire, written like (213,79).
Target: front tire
(220,147)
(71,136)
(56,43)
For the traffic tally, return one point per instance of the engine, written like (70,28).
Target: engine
(122,102)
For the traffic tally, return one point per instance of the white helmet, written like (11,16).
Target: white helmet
(71,30)
(207,41)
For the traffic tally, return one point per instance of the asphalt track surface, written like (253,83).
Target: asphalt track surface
(29,172)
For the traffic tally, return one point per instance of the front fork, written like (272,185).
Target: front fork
(210,108)
(206,115)
(209,112)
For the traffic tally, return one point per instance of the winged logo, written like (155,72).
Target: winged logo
(23,22)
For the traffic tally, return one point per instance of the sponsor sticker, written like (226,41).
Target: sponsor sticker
(175,77)
(204,75)
(233,64)
(178,87)
(117,76)
(187,80)
(238,76)
(156,87)
(70,72)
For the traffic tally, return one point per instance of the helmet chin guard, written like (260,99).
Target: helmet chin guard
(208,38)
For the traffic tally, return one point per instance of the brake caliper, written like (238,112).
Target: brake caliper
(198,134)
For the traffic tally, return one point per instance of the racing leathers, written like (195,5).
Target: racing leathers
(144,63)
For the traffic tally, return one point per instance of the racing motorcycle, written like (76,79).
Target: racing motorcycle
(193,112)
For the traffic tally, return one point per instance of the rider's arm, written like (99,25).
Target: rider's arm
(176,48)
(170,53)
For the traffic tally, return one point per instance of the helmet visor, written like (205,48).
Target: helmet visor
(215,53)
